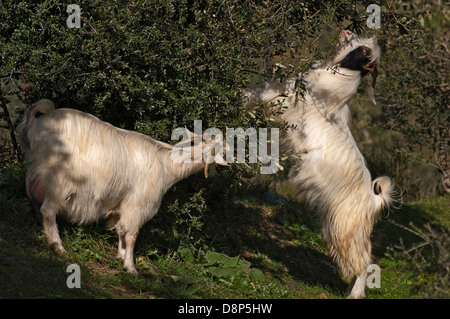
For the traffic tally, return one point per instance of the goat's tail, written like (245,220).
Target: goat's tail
(385,194)
(43,106)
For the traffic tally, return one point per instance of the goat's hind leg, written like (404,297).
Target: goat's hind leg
(128,262)
(358,290)
(131,220)
(121,247)
(51,228)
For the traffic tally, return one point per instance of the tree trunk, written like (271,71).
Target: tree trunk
(4,106)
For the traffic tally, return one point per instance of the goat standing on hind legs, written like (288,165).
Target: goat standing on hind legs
(90,170)
(329,170)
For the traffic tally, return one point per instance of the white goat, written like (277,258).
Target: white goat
(329,170)
(90,169)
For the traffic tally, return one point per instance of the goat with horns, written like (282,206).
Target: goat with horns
(90,169)
(328,168)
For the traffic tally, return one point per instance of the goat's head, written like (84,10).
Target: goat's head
(202,149)
(358,54)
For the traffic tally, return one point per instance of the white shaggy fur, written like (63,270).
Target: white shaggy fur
(90,169)
(329,170)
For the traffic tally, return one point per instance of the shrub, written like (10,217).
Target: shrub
(429,261)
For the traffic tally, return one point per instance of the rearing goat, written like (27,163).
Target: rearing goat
(90,170)
(328,169)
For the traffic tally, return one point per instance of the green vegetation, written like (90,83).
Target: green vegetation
(152,66)
(249,248)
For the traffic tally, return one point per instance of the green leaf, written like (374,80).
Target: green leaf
(187,253)
(226,273)
(257,275)
(230,261)
(214,257)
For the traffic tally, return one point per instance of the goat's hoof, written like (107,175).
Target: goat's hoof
(57,248)
(133,272)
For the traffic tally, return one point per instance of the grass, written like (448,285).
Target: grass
(239,244)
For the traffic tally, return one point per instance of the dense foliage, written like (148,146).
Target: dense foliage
(153,66)
(150,65)
(415,86)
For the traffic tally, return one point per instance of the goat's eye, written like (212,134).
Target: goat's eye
(365,51)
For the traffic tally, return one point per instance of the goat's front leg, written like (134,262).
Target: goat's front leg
(128,263)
